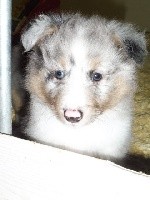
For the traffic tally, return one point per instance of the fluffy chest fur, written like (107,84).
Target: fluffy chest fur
(108,136)
(81,79)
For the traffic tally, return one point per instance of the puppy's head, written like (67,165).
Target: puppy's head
(80,67)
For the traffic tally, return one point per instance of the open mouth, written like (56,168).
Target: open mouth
(73,115)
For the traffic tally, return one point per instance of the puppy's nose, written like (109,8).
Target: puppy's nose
(73,116)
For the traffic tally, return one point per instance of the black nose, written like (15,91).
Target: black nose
(73,116)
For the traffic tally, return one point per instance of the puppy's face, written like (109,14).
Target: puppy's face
(80,71)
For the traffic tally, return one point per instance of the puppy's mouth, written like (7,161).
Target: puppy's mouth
(73,115)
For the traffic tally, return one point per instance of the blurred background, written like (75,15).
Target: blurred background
(132,11)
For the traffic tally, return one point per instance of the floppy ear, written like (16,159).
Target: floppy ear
(43,25)
(132,41)
(135,49)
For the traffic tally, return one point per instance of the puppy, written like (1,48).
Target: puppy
(81,80)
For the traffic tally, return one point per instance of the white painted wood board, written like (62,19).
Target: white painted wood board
(31,171)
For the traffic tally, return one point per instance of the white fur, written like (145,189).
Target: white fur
(107,137)
(74,96)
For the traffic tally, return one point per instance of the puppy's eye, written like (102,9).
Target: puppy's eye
(95,76)
(59,74)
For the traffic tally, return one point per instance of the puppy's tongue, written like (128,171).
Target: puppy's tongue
(72,113)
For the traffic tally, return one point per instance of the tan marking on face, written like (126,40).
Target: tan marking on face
(122,89)
(36,86)
(94,63)
(63,62)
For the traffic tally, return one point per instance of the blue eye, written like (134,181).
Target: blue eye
(95,76)
(59,74)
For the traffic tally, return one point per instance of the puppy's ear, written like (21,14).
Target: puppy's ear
(43,25)
(132,41)
(136,49)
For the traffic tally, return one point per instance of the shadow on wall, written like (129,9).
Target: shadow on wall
(105,8)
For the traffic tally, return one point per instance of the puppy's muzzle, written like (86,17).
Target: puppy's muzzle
(73,116)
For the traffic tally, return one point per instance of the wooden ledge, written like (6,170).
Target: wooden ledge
(31,171)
